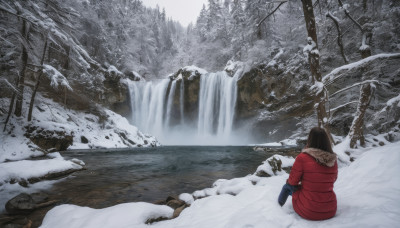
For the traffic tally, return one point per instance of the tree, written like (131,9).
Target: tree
(313,60)
(367,90)
(21,77)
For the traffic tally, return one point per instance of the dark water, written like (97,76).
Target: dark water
(151,174)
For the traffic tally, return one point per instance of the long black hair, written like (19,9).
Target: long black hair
(317,138)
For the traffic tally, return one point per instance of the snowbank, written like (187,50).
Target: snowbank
(25,169)
(122,215)
(367,193)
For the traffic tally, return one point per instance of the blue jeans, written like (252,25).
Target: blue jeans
(287,190)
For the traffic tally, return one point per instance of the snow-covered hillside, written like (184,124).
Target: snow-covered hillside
(51,121)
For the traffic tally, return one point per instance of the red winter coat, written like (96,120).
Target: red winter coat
(317,171)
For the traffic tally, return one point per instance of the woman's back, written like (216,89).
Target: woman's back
(317,170)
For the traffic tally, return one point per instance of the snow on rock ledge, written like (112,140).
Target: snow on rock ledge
(188,73)
(32,171)
(274,165)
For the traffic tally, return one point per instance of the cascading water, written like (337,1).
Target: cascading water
(157,109)
(217,101)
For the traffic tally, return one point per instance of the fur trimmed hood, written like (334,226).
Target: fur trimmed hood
(322,157)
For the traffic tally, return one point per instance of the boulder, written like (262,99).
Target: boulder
(25,203)
(49,140)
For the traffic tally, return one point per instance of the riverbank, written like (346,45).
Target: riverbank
(367,192)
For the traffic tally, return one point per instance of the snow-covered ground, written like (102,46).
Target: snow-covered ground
(368,192)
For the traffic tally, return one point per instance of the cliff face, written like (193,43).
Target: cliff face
(276,98)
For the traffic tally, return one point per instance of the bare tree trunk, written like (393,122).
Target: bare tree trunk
(357,127)
(339,38)
(313,60)
(21,81)
(37,82)
(366,92)
(11,107)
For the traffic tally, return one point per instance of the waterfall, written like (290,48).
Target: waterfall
(154,110)
(147,102)
(217,100)
(169,104)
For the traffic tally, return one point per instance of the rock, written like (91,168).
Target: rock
(25,203)
(178,211)
(50,140)
(276,164)
(15,222)
(39,197)
(153,220)
(174,204)
(84,139)
(262,174)
(160,202)
(20,204)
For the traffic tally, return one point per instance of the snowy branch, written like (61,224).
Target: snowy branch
(349,16)
(55,77)
(343,105)
(9,85)
(340,72)
(355,85)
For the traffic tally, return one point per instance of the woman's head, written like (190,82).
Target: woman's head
(317,138)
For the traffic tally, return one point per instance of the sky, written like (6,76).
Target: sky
(184,11)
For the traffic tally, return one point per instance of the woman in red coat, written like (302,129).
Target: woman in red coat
(311,179)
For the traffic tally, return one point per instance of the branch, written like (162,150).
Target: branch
(273,11)
(339,39)
(349,16)
(9,85)
(356,84)
(343,105)
(342,71)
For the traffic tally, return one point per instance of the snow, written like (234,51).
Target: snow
(289,142)
(194,70)
(188,198)
(333,74)
(113,70)
(26,169)
(234,68)
(318,87)
(100,133)
(310,47)
(56,77)
(122,215)
(266,167)
(270,144)
(393,101)
(367,191)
